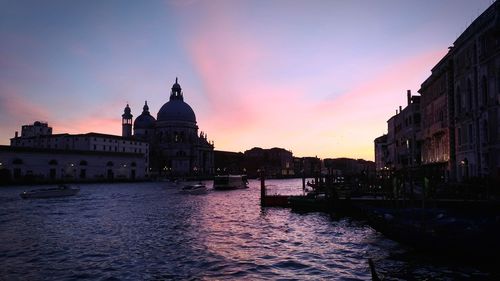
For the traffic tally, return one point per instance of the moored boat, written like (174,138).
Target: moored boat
(60,191)
(227,182)
(313,201)
(194,189)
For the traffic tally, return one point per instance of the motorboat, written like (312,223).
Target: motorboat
(60,191)
(194,189)
(226,182)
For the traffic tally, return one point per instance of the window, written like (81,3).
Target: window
(485,132)
(470,134)
(459,136)
(484,90)
(469,95)
(459,101)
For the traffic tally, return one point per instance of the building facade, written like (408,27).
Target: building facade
(438,122)
(381,153)
(41,165)
(40,156)
(176,147)
(460,107)
(277,162)
(476,83)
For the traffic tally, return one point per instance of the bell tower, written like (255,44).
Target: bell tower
(126,122)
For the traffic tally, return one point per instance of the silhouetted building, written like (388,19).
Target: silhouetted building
(311,166)
(351,167)
(381,153)
(401,146)
(438,123)
(33,165)
(476,63)
(176,146)
(227,162)
(461,108)
(40,156)
(37,129)
(277,162)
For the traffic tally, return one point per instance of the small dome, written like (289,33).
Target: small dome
(127,113)
(145,120)
(176,110)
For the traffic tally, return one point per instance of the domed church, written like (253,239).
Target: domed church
(176,148)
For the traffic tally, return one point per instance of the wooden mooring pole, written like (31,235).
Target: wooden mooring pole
(262,188)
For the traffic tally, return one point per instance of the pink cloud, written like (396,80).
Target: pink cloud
(247,110)
(88,124)
(15,111)
(16,108)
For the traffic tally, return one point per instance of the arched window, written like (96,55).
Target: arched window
(109,164)
(133,164)
(53,162)
(83,163)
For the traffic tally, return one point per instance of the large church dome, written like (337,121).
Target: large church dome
(176,109)
(145,120)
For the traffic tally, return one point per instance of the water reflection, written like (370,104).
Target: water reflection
(150,231)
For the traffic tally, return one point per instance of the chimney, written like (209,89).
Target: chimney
(400,109)
(396,112)
(16,134)
(408,96)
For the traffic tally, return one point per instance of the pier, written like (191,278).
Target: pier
(443,225)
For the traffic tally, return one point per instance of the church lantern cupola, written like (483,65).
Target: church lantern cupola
(127,122)
(176,93)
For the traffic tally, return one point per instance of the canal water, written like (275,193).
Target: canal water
(149,231)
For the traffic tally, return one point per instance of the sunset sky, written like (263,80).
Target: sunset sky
(319,78)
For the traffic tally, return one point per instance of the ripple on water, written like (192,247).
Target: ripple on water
(148,231)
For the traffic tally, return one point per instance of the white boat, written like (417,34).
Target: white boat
(60,191)
(225,182)
(194,189)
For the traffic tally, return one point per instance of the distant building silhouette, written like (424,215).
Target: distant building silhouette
(276,162)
